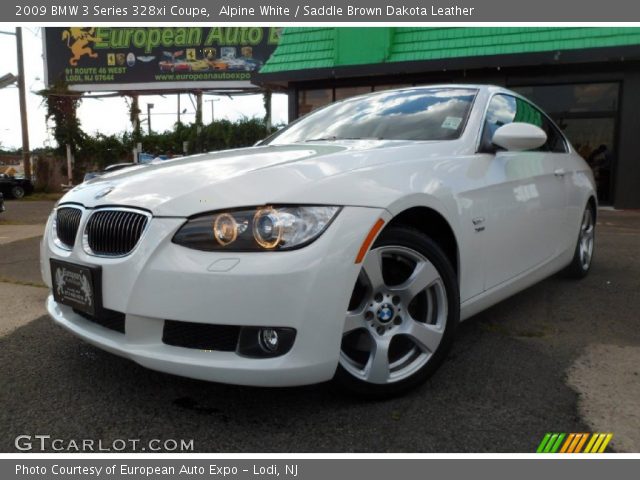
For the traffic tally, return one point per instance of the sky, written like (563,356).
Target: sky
(113,116)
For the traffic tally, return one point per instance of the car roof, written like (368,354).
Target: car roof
(475,86)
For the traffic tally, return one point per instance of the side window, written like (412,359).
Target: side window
(555,141)
(504,109)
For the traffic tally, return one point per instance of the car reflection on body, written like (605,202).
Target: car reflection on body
(108,169)
(347,245)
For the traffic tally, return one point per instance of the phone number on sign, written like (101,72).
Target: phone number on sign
(98,11)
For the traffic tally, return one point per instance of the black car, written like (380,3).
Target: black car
(15,187)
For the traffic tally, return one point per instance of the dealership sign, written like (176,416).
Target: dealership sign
(161,58)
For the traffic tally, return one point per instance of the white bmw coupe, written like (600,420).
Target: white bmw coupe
(347,245)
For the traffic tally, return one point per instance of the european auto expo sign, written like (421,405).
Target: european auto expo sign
(140,58)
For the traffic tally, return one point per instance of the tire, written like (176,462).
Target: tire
(583,253)
(17,191)
(402,316)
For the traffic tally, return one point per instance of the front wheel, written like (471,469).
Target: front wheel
(402,315)
(17,191)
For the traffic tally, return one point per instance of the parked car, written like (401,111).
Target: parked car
(15,187)
(108,169)
(181,66)
(198,65)
(144,157)
(219,64)
(2,207)
(236,64)
(348,245)
(251,64)
(166,65)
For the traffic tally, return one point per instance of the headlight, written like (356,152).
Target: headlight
(265,228)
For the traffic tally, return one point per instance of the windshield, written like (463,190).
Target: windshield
(411,114)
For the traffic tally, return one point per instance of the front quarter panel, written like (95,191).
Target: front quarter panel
(449,182)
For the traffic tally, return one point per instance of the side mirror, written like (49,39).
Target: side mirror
(519,136)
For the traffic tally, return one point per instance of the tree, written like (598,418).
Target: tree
(62,106)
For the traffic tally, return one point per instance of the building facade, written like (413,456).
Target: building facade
(586,79)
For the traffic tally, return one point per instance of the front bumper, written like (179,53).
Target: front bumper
(306,289)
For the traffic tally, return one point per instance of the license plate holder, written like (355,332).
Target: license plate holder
(77,286)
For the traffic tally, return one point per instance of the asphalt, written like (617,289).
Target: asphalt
(518,370)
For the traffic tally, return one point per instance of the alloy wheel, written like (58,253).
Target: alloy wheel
(587,229)
(396,318)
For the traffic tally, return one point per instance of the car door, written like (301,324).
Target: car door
(526,199)
(4,183)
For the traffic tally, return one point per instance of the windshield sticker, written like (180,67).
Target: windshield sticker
(452,123)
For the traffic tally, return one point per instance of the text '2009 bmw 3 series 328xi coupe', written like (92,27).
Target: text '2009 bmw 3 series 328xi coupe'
(347,245)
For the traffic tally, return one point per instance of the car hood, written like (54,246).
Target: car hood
(231,178)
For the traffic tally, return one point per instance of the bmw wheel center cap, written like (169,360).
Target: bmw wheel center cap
(385,313)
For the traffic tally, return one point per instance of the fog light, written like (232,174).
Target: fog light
(265,342)
(268,339)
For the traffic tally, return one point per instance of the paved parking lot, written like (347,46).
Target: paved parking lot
(563,356)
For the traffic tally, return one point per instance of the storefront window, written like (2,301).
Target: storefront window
(309,100)
(587,114)
(577,98)
(346,92)
(379,88)
(593,139)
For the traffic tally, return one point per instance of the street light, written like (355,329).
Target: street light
(8,79)
(149,107)
(212,112)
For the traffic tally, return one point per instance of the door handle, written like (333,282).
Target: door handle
(559,172)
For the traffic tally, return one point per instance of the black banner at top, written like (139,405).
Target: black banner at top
(269,12)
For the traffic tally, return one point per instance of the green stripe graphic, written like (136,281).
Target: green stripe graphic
(551,443)
(543,443)
(558,443)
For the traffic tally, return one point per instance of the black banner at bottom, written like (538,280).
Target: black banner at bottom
(558,466)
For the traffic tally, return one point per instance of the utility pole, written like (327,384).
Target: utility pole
(199,121)
(178,108)
(135,121)
(26,154)
(199,111)
(149,107)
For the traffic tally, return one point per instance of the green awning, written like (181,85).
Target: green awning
(303,48)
